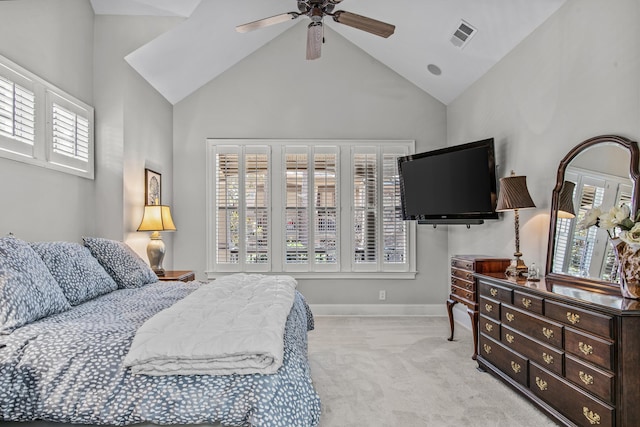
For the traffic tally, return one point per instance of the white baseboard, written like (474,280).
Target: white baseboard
(438,310)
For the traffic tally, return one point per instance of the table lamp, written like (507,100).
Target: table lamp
(156,218)
(514,196)
(565,201)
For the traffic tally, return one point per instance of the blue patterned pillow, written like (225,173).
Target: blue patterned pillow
(28,291)
(121,262)
(78,273)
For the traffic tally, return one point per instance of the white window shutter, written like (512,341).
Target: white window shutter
(17,113)
(365,206)
(256,206)
(70,134)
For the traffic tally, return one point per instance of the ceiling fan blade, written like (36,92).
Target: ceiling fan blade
(314,40)
(261,23)
(363,23)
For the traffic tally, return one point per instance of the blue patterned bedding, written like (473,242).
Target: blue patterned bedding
(68,368)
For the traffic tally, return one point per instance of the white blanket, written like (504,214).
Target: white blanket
(231,325)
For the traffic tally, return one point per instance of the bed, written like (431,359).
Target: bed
(64,363)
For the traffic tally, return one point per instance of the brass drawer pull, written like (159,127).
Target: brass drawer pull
(487,348)
(468,286)
(591,416)
(510,338)
(586,378)
(548,333)
(542,384)
(547,358)
(468,295)
(586,349)
(516,367)
(510,317)
(493,292)
(469,275)
(453,280)
(488,307)
(526,302)
(573,318)
(488,327)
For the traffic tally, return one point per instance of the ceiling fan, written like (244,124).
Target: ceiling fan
(316,10)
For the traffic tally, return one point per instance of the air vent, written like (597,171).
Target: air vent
(463,34)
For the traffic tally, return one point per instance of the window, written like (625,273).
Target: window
(280,206)
(590,254)
(42,125)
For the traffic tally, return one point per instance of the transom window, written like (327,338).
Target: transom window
(307,207)
(42,125)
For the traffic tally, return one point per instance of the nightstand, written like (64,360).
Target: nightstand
(178,275)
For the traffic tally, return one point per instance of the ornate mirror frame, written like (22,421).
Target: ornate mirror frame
(634,176)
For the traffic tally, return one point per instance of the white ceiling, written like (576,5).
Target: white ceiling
(206,44)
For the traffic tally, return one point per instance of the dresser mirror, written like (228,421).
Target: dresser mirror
(601,171)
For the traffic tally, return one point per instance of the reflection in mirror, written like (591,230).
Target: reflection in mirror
(599,175)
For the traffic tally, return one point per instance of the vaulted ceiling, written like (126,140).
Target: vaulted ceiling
(206,44)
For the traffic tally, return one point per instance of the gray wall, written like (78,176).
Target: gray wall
(133,123)
(276,93)
(575,77)
(134,130)
(38,203)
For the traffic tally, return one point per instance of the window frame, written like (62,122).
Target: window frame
(42,153)
(346,266)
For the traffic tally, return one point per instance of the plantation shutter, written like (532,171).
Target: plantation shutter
(17,113)
(394,229)
(325,203)
(365,206)
(227,201)
(256,192)
(70,133)
(583,242)
(297,206)
(610,265)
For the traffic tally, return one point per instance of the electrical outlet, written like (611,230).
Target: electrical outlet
(382,295)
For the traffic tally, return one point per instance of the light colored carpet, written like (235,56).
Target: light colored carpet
(402,371)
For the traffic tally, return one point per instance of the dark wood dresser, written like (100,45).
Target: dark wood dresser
(574,353)
(463,286)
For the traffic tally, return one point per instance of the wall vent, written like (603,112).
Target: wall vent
(462,34)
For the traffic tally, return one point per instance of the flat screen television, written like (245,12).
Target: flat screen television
(452,185)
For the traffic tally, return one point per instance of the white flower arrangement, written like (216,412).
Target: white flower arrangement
(617,222)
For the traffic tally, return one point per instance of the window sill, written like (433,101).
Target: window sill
(404,275)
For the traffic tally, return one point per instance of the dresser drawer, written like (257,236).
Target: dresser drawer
(489,307)
(536,327)
(464,284)
(496,292)
(589,347)
(596,381)
(504,359)
(462,264)
(462,274)
(528,302)
(595,323)
(549,357)
(467,297)
(489,327)
(575,404)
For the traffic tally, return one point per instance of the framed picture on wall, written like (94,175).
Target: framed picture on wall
(152,187)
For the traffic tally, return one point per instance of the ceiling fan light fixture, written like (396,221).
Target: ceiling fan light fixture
(314,40)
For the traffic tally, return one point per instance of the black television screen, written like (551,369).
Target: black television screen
(450,185)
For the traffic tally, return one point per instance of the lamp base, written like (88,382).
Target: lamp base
(155,252)
(517,269)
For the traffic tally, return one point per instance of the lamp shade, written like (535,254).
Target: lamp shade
(565,201)
(514,194)
(157,218)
